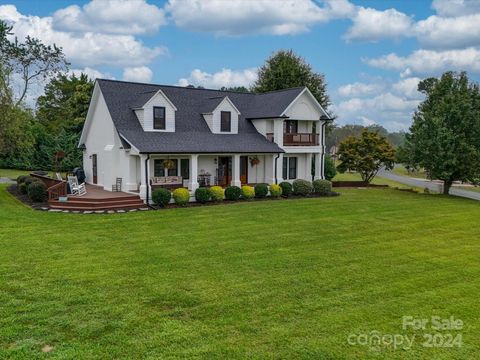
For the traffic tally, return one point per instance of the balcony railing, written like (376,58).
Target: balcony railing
(300,139)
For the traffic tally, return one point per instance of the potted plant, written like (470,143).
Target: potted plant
(168,164)
(254,160)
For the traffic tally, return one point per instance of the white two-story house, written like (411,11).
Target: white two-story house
(155,135)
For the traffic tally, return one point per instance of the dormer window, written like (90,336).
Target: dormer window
(159,122)
(226,121)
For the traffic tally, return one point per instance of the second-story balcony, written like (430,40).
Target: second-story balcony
(300,139)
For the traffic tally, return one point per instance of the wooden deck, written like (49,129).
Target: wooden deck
(97,198)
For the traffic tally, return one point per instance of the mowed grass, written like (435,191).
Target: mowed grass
(13,173)
(273,279)
(401,170)
(377,180)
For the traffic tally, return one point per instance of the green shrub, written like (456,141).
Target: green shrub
(275,190)
(287,188)
(202,195)
(22,188)
(261,190)
(181,196)
(233,193)
(161,196)
(329,168)
(216,193)
(302,187)
(248,192)
(322,187)
(21,179)
(37,191)
(30,179)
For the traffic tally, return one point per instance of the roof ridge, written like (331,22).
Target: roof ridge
(194,88)
(177,86)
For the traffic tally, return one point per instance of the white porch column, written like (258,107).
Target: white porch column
(278,132)
(143,182)
(318,166)
(193,173)
(308,166)
(236,170)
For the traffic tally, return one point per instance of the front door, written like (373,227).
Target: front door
(94,168)
(224,170)
(244,169)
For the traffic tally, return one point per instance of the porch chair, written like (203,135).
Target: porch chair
(76,188)
(118,185)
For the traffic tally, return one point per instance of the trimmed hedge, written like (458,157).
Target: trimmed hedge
(275,191)
(37,191)
(216,193)
(22,188)
(233,193)
(31,179)
(287,188)
(161,196)
(21,179)
(302,187)
(248,192)
(202,195)
(322,187)
(261,190)
(181,196)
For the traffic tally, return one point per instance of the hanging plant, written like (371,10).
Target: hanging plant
(254,160)
(168,164)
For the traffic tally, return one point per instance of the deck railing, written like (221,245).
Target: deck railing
(300,139)
(57,190)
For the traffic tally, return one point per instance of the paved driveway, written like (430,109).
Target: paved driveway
(433,186)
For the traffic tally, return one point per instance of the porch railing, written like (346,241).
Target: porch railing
(300,139)
(57,190)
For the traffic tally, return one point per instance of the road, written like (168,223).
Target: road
(431,185)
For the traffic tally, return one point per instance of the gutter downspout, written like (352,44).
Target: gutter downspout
(276,160)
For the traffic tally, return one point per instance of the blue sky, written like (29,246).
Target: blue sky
(373,53)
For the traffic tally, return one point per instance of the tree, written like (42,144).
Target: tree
(64,105)
(235,88)
(330,170)
(444,138)
(30,60)
(366,154)
(284,69)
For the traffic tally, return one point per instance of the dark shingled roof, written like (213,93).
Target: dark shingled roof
(192,134)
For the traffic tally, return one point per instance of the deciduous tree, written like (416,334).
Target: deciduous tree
(366,154)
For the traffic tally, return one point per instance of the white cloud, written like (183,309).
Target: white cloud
(91,73)
(88,49)
(238,17)
(456,32)
(372,25)
(138,74)
(225,77)
(430,62)
(110,16)
(452,8)
(392,106)
(359,89)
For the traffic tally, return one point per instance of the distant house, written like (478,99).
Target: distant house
(156,135)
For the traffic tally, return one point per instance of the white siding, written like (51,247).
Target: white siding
(140,115)
(209,120)
(304,108)
(159,100)
(216,116)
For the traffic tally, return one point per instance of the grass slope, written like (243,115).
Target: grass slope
(272,279)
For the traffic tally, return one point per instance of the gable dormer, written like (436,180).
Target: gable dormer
(157,114)
(223,119)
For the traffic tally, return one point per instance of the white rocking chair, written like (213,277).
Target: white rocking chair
(76,188)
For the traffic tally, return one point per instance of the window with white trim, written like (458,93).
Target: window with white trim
(290,167)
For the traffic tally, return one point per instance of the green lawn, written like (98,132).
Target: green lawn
(401,170)
(13,173)
(377,180)
(261,280)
